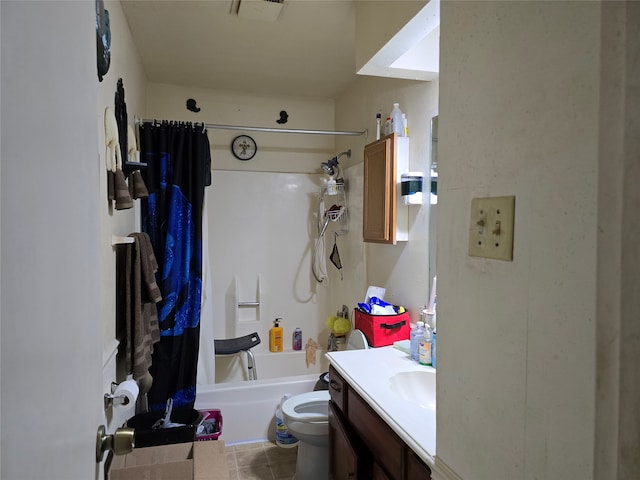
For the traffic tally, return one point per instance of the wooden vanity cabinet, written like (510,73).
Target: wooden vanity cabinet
(415,468)
(384,220)
(349,458)
(361,444)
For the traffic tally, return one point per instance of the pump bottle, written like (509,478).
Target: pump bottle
(416,334)
(275,336)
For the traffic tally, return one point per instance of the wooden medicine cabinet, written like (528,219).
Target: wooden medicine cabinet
(385,219)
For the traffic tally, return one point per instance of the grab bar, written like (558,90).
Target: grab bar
(248,304)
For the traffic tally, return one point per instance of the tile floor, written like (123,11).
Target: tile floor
(261,461)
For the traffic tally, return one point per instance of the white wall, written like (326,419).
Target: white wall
(125,64)
(618,336)
(51,280)
(277,152)
(520,115)
(262,232)
(58,289)
(261,213)
(403,269)
(377,23)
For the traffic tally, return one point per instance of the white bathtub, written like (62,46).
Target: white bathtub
(248,406)
(233,368)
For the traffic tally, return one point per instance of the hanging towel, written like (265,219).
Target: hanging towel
(139,297)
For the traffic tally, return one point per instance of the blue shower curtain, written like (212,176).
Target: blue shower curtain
(178,162)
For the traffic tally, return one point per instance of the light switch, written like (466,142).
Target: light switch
(491,227)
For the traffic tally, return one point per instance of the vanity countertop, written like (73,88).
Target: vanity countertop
(370,373)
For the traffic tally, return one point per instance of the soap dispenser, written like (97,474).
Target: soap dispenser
(275,336)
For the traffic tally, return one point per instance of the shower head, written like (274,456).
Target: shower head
(328,167)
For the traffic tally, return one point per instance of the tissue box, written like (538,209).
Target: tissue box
(197,461)
(382,330)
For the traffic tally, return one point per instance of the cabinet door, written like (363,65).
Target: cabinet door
(416,469)
(379,473)
(379,208)
(385,446)
(345,462)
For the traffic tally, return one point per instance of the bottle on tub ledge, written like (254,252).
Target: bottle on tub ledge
(296,341)
(275,336)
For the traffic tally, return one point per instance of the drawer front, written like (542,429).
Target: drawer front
(338,390)
(385,445)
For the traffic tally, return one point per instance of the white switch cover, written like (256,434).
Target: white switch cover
(491,227)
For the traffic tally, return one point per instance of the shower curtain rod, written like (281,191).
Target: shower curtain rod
(267,129)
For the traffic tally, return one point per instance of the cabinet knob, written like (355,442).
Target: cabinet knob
(335,385)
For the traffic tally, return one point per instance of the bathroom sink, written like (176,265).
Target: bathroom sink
(416,386)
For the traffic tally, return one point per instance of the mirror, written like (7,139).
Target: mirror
(433,207)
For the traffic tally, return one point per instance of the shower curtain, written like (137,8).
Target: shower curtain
(178,162)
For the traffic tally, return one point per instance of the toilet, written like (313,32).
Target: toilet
(306,417)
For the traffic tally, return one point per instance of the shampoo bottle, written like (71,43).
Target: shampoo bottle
(275,336)
(397,125)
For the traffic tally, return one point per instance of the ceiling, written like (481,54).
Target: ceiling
(307,50)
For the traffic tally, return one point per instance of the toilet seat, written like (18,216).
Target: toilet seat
(310,407)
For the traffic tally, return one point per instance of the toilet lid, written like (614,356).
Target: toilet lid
(357,341)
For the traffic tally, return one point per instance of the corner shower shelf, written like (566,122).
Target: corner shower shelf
(338,198)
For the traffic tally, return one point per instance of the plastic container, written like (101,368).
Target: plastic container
(378,125)
(382,330)
(424,348)
(275,336)
(283,438)
(146,436)
(322,383)
(297,339)
(397,124)
(211,426)
(411,184)
(433,349)
(416,334)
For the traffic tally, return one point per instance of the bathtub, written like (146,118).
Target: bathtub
(233,368)
(248,406)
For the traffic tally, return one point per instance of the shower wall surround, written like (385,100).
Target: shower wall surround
(261,229)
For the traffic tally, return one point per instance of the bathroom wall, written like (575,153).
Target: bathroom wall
(520,114)
(279,240)
(261,213)
(51,280)
(403,269)
(277,152)
(125,64)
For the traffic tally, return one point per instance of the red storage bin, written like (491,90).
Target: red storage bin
(213,420)
(382,330)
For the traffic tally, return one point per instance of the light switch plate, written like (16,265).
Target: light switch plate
(491,227)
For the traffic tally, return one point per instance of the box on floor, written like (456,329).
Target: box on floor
(196,460)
